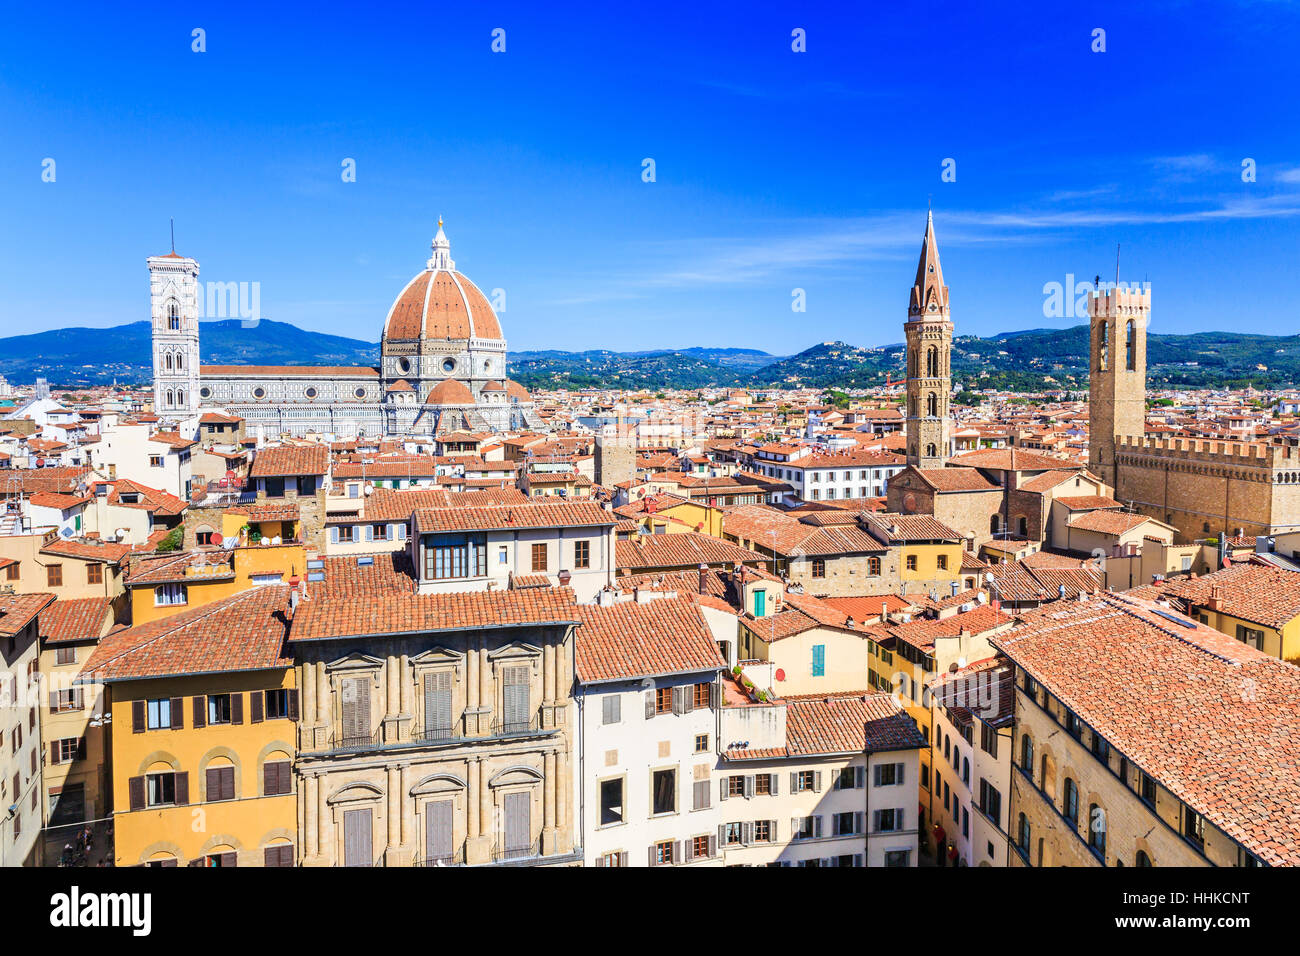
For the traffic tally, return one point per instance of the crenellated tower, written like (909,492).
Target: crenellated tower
(929,361)
(1117,374)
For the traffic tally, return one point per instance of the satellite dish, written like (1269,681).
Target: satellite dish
(780,674)
(217,537)
(65,532)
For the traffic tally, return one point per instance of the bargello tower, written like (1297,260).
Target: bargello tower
(1117,373)
(174,307)
(929,361)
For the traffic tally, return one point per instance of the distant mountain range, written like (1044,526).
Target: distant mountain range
(1024,360)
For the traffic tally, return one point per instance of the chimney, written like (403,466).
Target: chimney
(1060,591)
(704,570)
(956,586)
(1216,596)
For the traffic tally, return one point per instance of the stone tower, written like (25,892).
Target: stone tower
(1117,374)
(174,304)
(929,361)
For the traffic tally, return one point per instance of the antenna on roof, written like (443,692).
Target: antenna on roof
(1117,265)
(173,222)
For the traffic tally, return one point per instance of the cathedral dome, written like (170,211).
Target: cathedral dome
(517,391)
(450,392)
(441,303)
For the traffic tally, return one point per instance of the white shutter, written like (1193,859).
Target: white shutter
(749,786)
(775,777)
(817,782)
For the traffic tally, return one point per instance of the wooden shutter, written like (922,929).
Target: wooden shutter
(677,851)
(747,833)
(212,783)
(285,776)
(518,823)
(356,707)
(356,838)
(236,708)
(277,855)
(817,781)
(794,782)
(255,700)
(291,702)
(817,826)
(81,748)
(622,858)
(137,713)
(270,779)
(182,788)
(437,701)
(650,712)
(654,855)
(178,713)
(135,793)
(715,689)
(713,846)
(229,859)
(859,818)
(749,785)
(775,777)
(679,694)
(689,851)
(794,827)
(724,784)
(438,829)
(200,712)
(516,697)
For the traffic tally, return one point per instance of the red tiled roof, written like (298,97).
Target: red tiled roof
(78,619)
(560,514)
(243,632)
(17,611)
(848,723)
(665,635)
(279,461)
(680,550)
(1261,593)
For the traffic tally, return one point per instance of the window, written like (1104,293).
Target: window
(159,714)
(1026,754)
(65,655)
(888,774)
(1250,636)
(582,554)
(1071,809)
(701,743)
(887,821)
(220,783)
(911,562)
(805,780)
(1193,826)
(942,562)
(1147,789)
(160,789)
(155,461)
(873,567)
(988,740)
(54,575)
(819,568)
(1023,834)
(700,794)
(12,572)
(68,749)
(700,848)
(66,700)
(990,802)
(539,557)
(803,828)
(1100,748)
(661,854)
(664,791)
(450,556)
(611,802)
(1097,829)
(762,831)
(94,574)
(379,532)
(1130,346)
(277,777)
(611,709)
(345,534)
(277,704)
(764,784)
(700,696)
(819,660)
(165,595)
(219,708)
(663,700)
(898,858)
(612,859)
(844,824)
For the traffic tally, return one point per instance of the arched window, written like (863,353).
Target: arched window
(1103,347)
(931,451)
(932,405)
(932,362)
(1023,833)
(1130,346)
(1026,754)
(1022,527)
(173,316)
(873,566)
(1070,810)
(965,771)
(180,397)
(167,361)
(170,398)
(180,361)
(1097,829)
(995,522)
(1142,859)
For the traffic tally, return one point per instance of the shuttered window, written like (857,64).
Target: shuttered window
(437,704)
(518,824)
(356,838)
(611,709)
(438,847)
(355,694)
(516,714)
(277,777)
(278,856)
(219,783)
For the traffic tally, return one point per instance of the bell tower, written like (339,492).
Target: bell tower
(174,307)
(929,361)
(1117,374)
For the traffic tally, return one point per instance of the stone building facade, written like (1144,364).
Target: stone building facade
(440,735)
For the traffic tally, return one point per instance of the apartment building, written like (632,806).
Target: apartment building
(21,773)
(436,728)
(647,697)
(155,459)
(204,708)
(970,753)
(74,733)
(817,475)
(1128,718)
(825,780)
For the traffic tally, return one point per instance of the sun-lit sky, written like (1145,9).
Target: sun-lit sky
(775,170)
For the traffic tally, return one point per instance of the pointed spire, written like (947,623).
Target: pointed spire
(929,290)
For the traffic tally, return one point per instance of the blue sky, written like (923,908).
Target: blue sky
(775,170)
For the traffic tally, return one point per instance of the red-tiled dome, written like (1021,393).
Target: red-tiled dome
(450,392)
(493,387)
(440,303)
(517,391)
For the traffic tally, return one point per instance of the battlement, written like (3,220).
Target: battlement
(1219,451)
(1119,301)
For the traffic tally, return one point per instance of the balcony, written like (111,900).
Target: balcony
(518,728)
(437,735)
(501,853)
(355,741)
(454,858)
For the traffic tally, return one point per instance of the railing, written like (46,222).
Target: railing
(503,727)
(454,858)
(354,741)
(437,734)
(504,854)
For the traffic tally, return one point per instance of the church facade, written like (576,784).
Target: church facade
(442,365)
